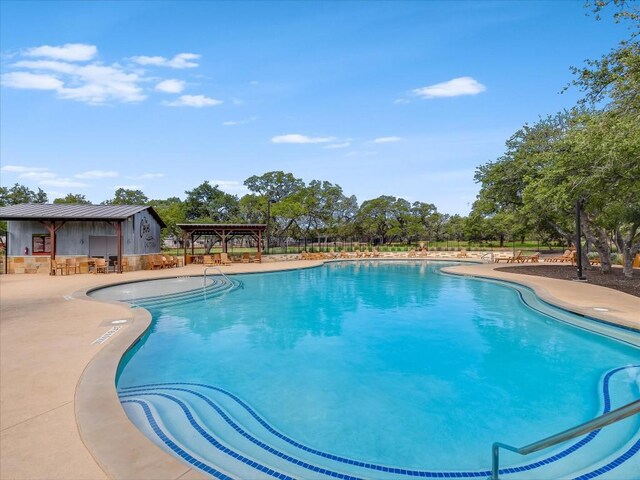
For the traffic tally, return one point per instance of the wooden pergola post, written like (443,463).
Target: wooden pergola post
(52,228)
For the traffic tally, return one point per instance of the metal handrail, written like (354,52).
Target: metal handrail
(204,276)
(594,424)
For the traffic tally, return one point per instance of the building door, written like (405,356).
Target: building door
(104,246)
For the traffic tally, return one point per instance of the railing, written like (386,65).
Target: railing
(594,424)
(204,277)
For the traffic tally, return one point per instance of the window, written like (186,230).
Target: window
(41,245)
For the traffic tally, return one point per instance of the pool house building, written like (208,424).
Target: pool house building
(37,234)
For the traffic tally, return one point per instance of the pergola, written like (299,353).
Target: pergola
(224,231)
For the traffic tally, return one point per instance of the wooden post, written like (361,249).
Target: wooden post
(184,248)
(51,226)
(119,269)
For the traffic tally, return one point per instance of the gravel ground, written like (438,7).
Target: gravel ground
(615,279)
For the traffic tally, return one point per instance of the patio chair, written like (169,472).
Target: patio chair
(216,259)
(208,261)
(156,262)
(462,254)
(125,265)
(72,264)
(55,266)
(246,258)
(101,266)
(257,258)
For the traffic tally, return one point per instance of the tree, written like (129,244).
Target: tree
(72,198)
(124,196)
(208,204)
(171,211)
(20,194)
(276,185)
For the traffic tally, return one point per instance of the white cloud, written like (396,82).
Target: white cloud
(62,182)
(387,140)
(452,88)
(19,169)
(94,83)
(31,81)
(338,145)
(38,176)
(96,174)
(296,138)
(70,52)
(181,60)
(197,101)
(128,187)
(400,101)
(146,176)
(244,121)
(170,86)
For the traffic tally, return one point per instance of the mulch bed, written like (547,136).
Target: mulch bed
(615,279)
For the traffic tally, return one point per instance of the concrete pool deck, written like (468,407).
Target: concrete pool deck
(60,417)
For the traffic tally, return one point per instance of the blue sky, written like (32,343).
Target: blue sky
(381,98)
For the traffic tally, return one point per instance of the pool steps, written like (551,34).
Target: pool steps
(217,285)
(212,419)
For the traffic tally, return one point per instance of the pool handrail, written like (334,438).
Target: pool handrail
(204,275)
(593,424)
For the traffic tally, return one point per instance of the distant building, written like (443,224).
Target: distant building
(37,233)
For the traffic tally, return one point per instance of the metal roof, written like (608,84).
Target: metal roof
(223,229)
(223,225)
(74,212)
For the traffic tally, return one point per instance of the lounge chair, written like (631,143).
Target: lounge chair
(208,261)
(257,258)
(224,259)
(565,257)
(246,258)
(462,254)
(535,258)
(516,258)
(412,253)
(216,259)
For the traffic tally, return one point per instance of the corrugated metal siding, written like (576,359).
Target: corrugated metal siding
(73,237)
(146,233)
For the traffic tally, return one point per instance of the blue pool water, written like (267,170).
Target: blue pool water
(386,364)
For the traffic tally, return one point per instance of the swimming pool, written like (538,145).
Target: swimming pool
(373,370)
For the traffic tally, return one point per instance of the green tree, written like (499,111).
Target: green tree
(73,198)
(20,194)
(125,196)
